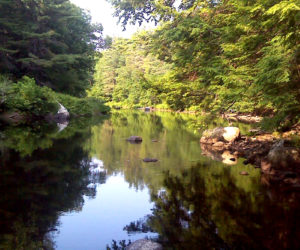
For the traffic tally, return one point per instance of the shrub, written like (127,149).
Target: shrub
(27,97)
(82,106)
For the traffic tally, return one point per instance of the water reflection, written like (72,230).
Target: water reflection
(92,186)
(37,184)
(197,212)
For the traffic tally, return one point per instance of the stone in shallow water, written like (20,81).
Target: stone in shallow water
(244,173)
(282,156)
(150,160)
(226,135)
(134,139)
(144,245)
(231,133)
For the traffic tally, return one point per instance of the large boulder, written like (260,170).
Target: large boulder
(227,135)
(231,134)
(283,156)
(144,245)
(62,116)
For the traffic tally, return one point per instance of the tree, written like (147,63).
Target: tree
(52,41)
(240,55)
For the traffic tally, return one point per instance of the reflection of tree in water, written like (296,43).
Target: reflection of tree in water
(118,245)
(193,213)
(139,226)
(37,189)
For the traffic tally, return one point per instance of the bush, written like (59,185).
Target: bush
(27,97)
(30,99)
(82,106)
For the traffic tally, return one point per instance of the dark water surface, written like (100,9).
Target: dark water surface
(86,187)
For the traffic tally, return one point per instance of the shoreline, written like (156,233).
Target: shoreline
(277,156)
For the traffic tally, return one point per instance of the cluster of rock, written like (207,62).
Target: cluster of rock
(235,117)
(276,158)
(216,142)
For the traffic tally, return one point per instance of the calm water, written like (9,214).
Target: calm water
(86,187)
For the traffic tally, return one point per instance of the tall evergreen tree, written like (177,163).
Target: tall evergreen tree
(50,40)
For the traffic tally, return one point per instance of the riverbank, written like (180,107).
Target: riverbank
(26,102)
(278,156)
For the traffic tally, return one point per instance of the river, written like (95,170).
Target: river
(86,187)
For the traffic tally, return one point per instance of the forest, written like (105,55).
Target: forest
(47,54)
(206,56)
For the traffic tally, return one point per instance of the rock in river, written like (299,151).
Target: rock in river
(135,139)
(144,245)
(227,134)
(150,160)
(244,173)
(62,115)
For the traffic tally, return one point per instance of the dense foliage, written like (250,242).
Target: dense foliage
(26,97)
(128,77)
(32,101)
(207,55)
(52,41)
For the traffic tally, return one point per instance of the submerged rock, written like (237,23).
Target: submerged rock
(244,173)
(144,245)
(150,160)
(135,139)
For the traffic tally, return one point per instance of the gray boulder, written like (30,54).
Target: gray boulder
(227,135)
(62,116)
(144,245)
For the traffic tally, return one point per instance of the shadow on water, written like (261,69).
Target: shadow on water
(42,175)
(193,212)
(198,202)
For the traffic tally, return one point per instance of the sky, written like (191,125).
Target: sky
(102,12)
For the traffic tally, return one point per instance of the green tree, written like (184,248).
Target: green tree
(240,55)
(52,41)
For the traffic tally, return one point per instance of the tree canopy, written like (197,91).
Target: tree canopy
(52,41)
(217,55)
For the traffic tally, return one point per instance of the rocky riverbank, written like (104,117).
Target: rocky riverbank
(278,158)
